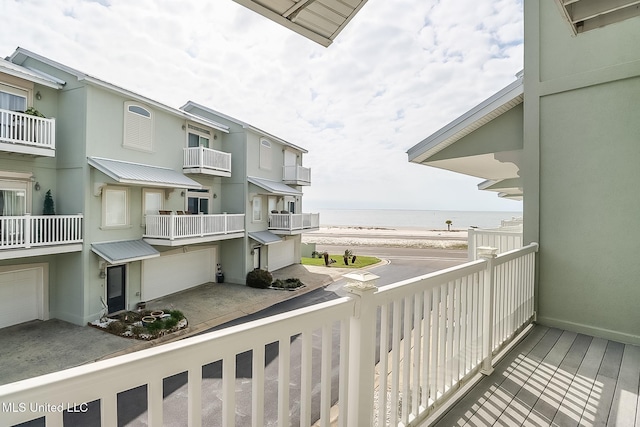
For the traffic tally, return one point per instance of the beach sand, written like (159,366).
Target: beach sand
(395,237)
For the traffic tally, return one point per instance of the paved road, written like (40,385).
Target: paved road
(403,264)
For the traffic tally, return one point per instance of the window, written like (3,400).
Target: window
(13,99)
(257,209)
(265,154)
(198,201)
(138,127)
(198,137)
(273,204)
(14,196)
(13,202)
(153,201)
(115,210)
(196,140)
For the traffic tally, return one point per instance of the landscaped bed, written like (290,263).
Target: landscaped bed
(338,261)
(142,325)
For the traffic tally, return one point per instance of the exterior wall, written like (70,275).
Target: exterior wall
(584,108)
(504,133)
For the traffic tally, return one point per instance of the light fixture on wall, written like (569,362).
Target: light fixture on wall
(102,274)
(38,96)
(37,186)
(215,196)
(182,193)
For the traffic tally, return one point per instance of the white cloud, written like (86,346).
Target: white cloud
(399,71)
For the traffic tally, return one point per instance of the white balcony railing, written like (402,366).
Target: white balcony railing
(437,331)
(43,230)
(297,174)
(21,128)
(504,239)
(174,226)
(292,222)
(207,158)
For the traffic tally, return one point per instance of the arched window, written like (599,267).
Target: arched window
(138,127)
(265,154)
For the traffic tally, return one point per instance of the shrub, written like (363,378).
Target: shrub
(137,331)
(170,323)
(116,327)
(176,314)
(259,279)
(291,283)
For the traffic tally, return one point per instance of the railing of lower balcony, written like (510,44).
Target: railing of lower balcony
(504,239)
(296,173)
(434,332)
(207,158)
(21,128)
(174,226)
(28,231)
(291,222)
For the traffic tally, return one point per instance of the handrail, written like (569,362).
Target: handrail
(21,128)
(436,331)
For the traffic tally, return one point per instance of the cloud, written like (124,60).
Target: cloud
(398,72)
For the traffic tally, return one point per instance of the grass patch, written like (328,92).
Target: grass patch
(361,261)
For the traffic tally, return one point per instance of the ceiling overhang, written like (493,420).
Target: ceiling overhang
(317,20)
(585,15)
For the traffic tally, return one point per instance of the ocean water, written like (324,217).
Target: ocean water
(429,220)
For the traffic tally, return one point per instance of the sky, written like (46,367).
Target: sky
(400,70)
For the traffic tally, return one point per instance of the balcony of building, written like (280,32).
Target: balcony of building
(34,235)
(202,160)
(27,134)
(296,175)
(177,228)
(438,331)
(290,224)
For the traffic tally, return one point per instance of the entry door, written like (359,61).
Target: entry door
(115,288)
(256,257)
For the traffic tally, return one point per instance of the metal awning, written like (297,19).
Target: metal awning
(139,174)
(124,251)
(274,187)
(317,20)
(265,237)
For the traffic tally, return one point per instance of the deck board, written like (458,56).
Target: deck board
(558,378)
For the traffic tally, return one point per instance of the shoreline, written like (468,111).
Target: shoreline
(383,236)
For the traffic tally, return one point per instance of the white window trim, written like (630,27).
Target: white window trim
(265,162)
(256,218)
(126,142)
(200,195)
(18,91)
(200,131)
(146,191)
(18,181)
(127,224)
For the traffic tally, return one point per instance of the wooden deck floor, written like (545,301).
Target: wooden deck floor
(558,378)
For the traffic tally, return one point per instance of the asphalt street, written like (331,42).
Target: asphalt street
(403,263)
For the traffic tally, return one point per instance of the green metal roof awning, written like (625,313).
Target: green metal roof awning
(139,174)
(274,187)
(124,251)
(265,237)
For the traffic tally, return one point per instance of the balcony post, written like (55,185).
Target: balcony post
(362,337)
(172,225)
(202,224)
(489,254)
(27,230)
(226,223)
(201,157)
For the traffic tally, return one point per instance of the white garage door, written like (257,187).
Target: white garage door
(281,254)
(21,296)
(167,274)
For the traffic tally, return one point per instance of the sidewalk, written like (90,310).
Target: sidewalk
(37,348)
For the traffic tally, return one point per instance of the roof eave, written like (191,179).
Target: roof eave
(510,96)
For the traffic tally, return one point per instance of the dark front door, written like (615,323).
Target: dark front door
(115,288)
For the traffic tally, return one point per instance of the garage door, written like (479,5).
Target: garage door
(167,274)
(21,296)
(281,254)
